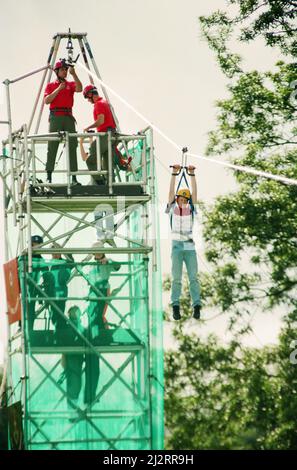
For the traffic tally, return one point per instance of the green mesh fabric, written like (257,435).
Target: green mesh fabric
(93,356)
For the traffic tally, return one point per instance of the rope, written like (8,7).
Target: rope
(244,169)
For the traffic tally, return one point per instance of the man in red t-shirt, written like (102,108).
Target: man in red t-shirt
(59,95)
(104,122)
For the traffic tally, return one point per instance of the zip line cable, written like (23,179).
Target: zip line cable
(245,169)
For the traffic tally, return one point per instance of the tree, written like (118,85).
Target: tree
(274,20)
(256,127)
(229,396)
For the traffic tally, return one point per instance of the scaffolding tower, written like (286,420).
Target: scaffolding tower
(85,360)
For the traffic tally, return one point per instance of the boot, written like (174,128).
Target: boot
(49,177)
(75,182)
(176,312)
(196,312)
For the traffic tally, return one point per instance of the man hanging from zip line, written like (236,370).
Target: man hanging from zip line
(59,95)
(181,210)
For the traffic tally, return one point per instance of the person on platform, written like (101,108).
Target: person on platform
(60,269)
(73,363)
(99,290)
(39,281)
(103,122)
(60,96)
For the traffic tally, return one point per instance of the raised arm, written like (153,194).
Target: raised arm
(191,172)
(171,195)
(84,154)
(78,84)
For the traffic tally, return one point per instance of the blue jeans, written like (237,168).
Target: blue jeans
(184,252)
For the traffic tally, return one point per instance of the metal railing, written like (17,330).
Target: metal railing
(136,175)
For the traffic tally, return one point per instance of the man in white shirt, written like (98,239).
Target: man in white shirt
(181,211)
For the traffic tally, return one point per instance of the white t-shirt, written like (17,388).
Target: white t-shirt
(181,221)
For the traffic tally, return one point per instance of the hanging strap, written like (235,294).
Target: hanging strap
(183,165)
(183,176)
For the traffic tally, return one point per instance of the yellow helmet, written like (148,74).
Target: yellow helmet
(184,193)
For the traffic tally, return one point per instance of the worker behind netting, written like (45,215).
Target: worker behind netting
(98,278)
(59,95)
(181,210)
(60,268)
(72,363)
(103,122)
(39,282)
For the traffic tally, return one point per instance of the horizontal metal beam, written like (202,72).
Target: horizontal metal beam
(28,74)
(120,348)
(92,414)
(87,250)
(83,204)
(70,35)
(81,441)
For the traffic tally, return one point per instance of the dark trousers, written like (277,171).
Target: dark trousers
(92,371)
(92,159)
(73,372)
(58,320)
(92,368)
(31,314)
(61,123)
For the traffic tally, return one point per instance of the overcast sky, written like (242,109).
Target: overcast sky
(152,54)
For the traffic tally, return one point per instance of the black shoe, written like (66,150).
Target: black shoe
(49,177)
(196,313)
(176,312)
(75,182)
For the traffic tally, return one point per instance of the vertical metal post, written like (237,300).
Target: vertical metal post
(29,245)
(98,151)
(55,48)
(144,166)
(7,368)
(6,83)
(41,86)
(19,194)
(28,199)
(33,159)
(83,51)
(68,163)
(110,169)
(24,377)
(153,200)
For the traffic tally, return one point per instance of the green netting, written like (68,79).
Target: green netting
(87,356)
(93,357)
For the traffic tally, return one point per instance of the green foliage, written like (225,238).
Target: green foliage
(259,114)
(258,223)
(229,396)
(274,20)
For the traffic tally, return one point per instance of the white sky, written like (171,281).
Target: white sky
(152,54)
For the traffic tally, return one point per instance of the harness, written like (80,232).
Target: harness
(53,111)
(184,171)
(183,176)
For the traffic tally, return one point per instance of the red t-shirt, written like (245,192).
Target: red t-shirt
(102,107)
(64,98)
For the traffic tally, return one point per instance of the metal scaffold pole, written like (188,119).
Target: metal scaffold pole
(85,355)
